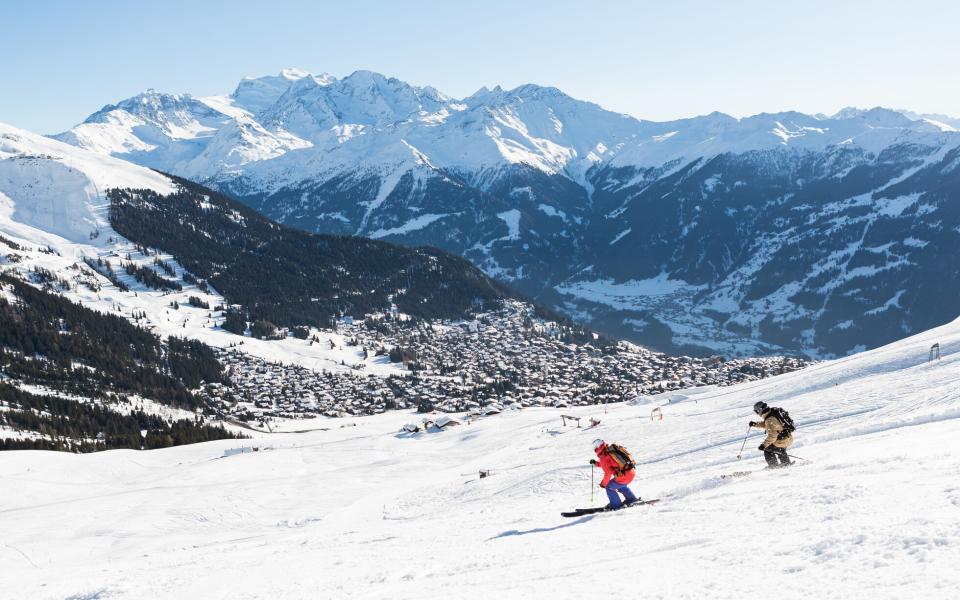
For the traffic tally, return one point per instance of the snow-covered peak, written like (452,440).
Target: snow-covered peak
(144,123)
(363,79)
(941,125)
(533,125)
(943,122)
(847,112)
(482,95)
(366,120)
(257,94)
(312,109)
(401,98)
(148,105)
(293,73)
(885,117)
(872,130)
(877,116)
(48,187)
(176,115)
(20,145)
(526,93)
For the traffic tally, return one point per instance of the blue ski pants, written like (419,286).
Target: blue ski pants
(613,487)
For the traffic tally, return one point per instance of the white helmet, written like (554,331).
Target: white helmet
(597,443)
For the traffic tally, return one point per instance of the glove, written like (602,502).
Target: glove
(753,423)
(762,447)
(603,485)
(594,462)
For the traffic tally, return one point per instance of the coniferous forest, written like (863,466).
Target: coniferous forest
(290,277)
(57,345)
(87,427)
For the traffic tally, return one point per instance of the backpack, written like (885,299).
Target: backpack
(620,456)
(784,418)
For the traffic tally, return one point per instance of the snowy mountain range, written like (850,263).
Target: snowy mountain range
(810,233)
(144,310)
(821,248)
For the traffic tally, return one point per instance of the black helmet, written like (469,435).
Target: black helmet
(760,407)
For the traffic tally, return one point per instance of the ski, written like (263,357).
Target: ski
(589,511)
(736,474)
(580,512)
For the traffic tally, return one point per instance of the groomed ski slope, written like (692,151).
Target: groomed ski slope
(359,511)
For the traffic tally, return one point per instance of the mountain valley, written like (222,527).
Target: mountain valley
(777,233)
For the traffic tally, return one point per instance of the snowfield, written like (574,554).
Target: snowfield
(357,510)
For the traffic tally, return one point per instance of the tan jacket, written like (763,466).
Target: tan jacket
(773,427)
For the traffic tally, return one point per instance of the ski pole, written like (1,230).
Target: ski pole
(798,457)
(744,444)
(591,485)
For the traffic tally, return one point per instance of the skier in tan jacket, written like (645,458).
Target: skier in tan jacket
(779,427)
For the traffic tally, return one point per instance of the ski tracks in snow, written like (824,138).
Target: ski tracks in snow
(362,513)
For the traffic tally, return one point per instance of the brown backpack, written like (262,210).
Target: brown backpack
(620,456)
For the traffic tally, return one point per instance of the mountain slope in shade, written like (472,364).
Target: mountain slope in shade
(808,233)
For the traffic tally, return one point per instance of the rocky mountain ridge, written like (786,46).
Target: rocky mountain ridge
(776,232)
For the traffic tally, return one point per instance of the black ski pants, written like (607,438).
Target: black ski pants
(776,457)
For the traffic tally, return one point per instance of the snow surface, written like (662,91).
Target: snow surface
(57,188)
(621,235)
(633,294)
(414,224)
(550,210)
(511,219)
(358,510)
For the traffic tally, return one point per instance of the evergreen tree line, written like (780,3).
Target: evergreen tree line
(149,277)
(200,283)
(87,427)
(103,267)
(165,267)
(48,340)
(10,243)
(290,277)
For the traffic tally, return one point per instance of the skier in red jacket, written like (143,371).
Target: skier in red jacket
(614,481)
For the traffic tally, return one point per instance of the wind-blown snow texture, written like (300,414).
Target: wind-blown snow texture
(360,511)
(776,231)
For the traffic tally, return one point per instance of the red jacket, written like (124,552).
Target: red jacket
(610,466)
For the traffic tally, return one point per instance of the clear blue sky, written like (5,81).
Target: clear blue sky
(652,59)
